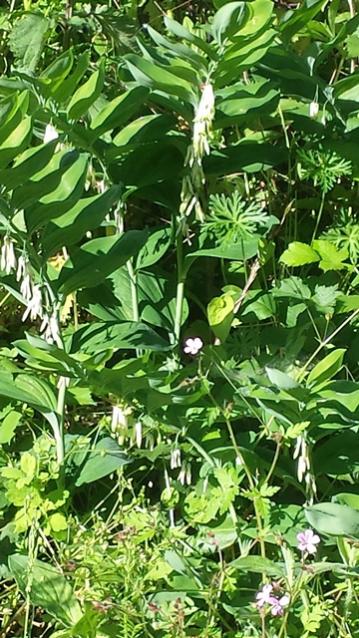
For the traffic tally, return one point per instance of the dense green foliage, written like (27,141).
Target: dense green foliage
(179,383)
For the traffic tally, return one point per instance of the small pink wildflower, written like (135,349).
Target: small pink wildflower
(193,346)
(264,596)
(308,541)
(278,605)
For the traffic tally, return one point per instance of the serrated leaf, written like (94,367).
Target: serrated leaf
(27,39)
(298,254)
(331,257)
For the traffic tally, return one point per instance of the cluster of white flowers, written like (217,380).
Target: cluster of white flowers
(7,255)
(185,474)
(124,426)
(175,460)
(50,328)
(202,125)
(31,292)
(301,452)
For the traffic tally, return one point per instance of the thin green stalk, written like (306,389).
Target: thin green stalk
(320,213)
(134,293)
(274,462)
(180,289)
(251,485)
(60,435)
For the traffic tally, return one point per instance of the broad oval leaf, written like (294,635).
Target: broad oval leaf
(106,457)
(333,519)
(46,587)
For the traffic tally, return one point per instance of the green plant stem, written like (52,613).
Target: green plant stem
(60,435)
(134,294)
(4,299)
(180,289)
(251,485)
(274,462)
(325,342)
(320,213)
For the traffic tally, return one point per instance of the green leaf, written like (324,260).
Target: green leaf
(327,368)
(352,43)
(347,303)
(27,389)
(143,130)
(87,214)
(27,164)
(220,315)
(344,392)
(298,254)
(158,77)
(58,522)
(260,13)
(67,87)
(8,426)
(16,142)
(119,110)
(46,587)
(241,103)
(86,94)
(228,20)
(184,34)
(155,247)
(331,257)
(106,457)
(99,337)
(333,519)
(258,565)
(97,259)
(45,180)
(63,197)
(347,498)
(281,379)
(295,20)
(338,455)
(247,156)
(150,166)
(240,251)
(27,40)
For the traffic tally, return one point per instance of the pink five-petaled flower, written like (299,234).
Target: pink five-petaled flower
(193,346)
(278,605)
(308,541)
(264,596)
